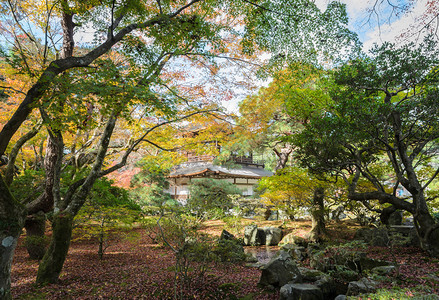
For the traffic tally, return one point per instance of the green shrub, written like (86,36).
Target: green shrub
(211,197)
(108,215)
(229,251)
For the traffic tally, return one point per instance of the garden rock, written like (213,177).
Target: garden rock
(383,270)
(362,286)
(253,236)
(250,232)
(280,270)
(296,252)
(327,285)
(225,235)
(310,275)
(295,291)
(340,297)
(370,263)
(294,239)
(373,236)
(273,235)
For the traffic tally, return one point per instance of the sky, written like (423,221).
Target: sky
(391,23)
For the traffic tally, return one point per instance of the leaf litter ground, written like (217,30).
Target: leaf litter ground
(142,270)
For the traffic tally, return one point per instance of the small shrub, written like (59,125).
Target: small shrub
(229,251)
(212,197)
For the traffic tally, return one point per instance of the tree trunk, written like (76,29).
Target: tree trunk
(317,215)
(101,245)
(282,156)
(428,231)
(7,248)
(12,215)
(35,242)
(385,214)
(53,261)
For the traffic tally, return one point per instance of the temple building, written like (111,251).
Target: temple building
(244,173)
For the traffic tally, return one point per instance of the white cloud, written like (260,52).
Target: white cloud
(365,22)
(398,30)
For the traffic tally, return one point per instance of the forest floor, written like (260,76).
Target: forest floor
(140,269)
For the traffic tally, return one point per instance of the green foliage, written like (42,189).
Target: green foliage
(229,251)
(191,249)
(28,185)
(395,293)
(211,196)
(299,31)
(109,215)
(150,185)
(382,104)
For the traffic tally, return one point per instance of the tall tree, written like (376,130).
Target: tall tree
(275,113)
(385,113)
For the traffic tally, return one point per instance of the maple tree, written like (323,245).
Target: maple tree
(107,216)
(271,116)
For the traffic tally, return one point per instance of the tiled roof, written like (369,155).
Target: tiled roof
(203,168)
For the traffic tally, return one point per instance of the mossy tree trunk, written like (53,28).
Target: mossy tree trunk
(53,261)
(318,215)
(66,209)
(35,242)
(12,215)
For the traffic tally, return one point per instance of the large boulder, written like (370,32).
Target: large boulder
(280,270)
(250,232)
(300,291)
(294,239)
(328,287)
(296,252)
(225,235)
(273,235)
(253,236)
(362,286)
(373,236)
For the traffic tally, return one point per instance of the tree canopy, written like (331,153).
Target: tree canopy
(382,128)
